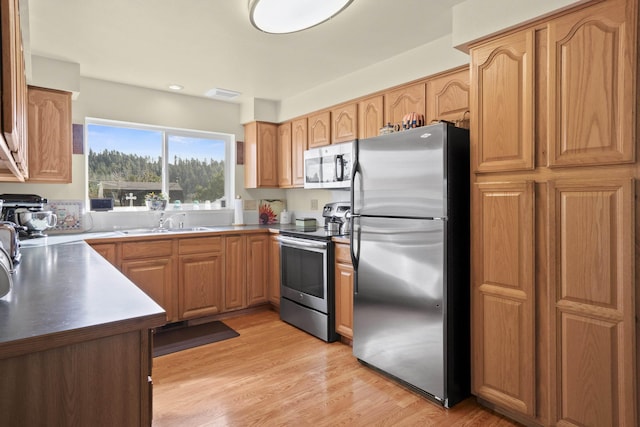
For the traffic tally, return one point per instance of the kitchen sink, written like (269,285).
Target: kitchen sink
(163,230)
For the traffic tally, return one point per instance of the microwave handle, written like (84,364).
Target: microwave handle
(339,164)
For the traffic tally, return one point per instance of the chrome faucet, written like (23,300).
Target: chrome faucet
(169,219)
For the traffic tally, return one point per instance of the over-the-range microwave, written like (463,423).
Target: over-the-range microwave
(329,166)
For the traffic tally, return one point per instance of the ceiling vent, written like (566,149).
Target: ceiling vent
(222,93)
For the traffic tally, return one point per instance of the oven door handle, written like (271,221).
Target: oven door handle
(301,244)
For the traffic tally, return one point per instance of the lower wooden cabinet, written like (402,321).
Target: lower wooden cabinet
(234,290)
(344,277)
(257,268)
(553,300)
(200,277)
(192,277)
(503,326)
(155,277)
(95,380)
(274,270)
(108,252)
(246,269)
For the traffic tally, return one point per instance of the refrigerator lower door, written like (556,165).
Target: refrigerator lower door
(398,301)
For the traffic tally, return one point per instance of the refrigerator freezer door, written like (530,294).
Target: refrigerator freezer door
(398,303)
(402,174)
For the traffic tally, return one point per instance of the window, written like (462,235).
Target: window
(126,161)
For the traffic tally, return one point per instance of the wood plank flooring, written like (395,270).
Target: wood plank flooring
(276,375)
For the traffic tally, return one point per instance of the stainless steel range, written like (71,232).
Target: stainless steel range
(307,294)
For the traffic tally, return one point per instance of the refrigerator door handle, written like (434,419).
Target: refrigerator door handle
(339,167)
(355,171)
(354,243)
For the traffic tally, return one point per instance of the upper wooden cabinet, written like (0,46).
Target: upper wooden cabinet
(448,98)
(344,123)
(555,218)
(502,104)
(260,154)
(592,106)
(407,99)
(370,116)
(298,146)
(285,167)
(319,129)
(13,140)
(50,136)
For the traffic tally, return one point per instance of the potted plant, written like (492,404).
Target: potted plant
(156,202)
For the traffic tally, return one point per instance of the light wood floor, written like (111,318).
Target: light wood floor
(276,375)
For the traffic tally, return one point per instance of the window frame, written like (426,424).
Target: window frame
(229,157)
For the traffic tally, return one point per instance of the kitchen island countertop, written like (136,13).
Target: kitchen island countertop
(60,292)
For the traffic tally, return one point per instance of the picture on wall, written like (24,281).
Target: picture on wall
(269,211)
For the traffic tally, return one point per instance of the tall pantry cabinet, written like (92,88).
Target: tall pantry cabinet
(554,164)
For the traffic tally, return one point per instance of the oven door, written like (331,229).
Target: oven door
(303,272)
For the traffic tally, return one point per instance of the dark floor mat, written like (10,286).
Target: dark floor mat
(181,338)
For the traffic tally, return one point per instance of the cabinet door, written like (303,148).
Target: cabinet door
(50,144)
(155,277)
(234,291)
(200,285)
(298,146)
(591,262)
(592,107)
(503,325)
(370,116)
(407,99)
(502,104)
(448,98)
(319,129)
(285,168)
(257,262)
(274,270)
(108,252)
(344,123)
(260,153)
(344,291)
(13,153)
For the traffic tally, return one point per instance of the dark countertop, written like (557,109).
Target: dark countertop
(67,293)
(64,292)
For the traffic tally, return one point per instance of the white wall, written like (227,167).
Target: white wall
(477,19)
(423,61)
(114,101)
(472,20)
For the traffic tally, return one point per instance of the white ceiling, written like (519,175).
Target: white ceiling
(204,44)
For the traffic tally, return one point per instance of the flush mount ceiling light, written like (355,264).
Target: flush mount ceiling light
(289,16)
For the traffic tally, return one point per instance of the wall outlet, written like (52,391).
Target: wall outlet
(314,204)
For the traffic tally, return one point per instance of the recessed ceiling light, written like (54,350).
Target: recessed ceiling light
(175,87)
(289,16)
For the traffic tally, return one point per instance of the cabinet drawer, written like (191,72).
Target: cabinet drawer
(342,253)
(146,249)
(199,245)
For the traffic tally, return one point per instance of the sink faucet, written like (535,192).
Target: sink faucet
(169,219)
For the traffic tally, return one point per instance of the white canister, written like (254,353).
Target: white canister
(285,217)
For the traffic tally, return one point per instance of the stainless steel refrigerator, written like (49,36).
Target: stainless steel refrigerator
(410,251)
